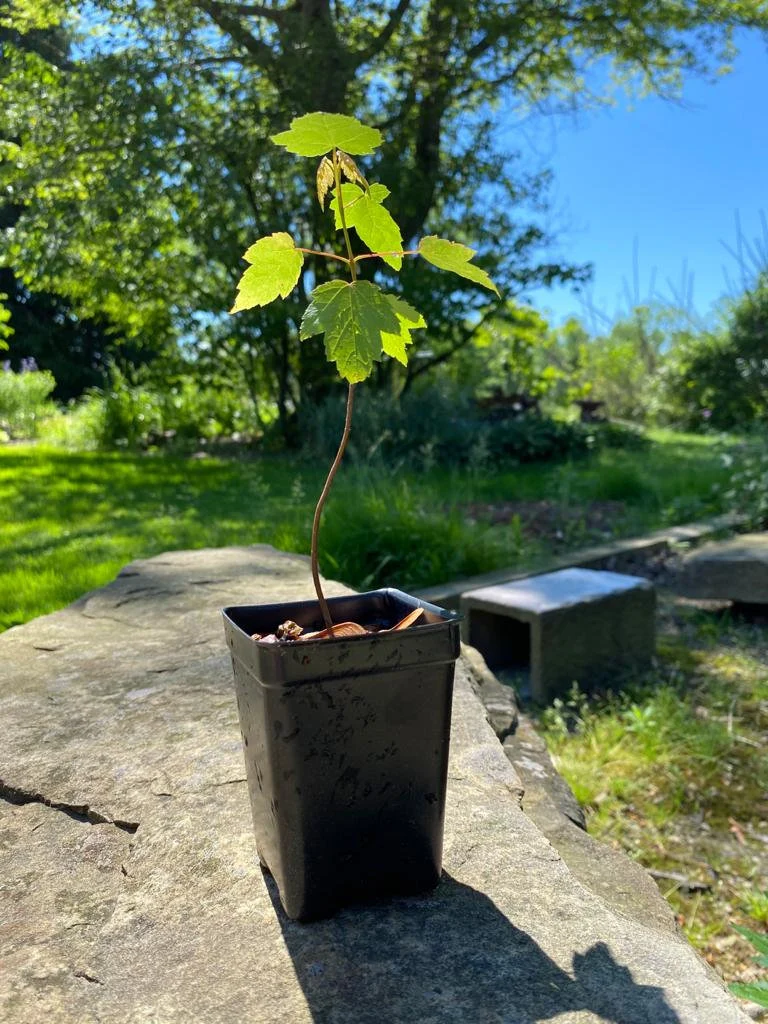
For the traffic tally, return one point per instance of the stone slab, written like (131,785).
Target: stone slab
(529,598)
(528,754)
(130,890)
(575,625)
(734,570)
(499,701)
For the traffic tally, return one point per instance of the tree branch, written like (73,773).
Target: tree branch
(260,11)
(231,25)
(40,43)
(380,39)
(443,357)
(506,78)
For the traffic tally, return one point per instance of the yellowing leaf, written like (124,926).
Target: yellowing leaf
(409,320)
(324,180)
(374,225)
(354,318)
(350,169)
(276,265)
(456,258)
(315,134)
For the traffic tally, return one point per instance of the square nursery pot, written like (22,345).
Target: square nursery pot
(346,747)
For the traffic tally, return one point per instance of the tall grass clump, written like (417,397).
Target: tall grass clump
(374,533)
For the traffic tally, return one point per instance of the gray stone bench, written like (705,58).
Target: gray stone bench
(575,625)
(130,889)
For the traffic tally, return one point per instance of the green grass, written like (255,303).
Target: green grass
(675,772)
(71,520)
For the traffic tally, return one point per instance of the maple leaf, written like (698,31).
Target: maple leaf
(456,258)
(276,265)
(374,224)
(409,320)
(350,169)
(354,317)
(319,133)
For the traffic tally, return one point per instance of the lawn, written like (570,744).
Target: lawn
(72,520)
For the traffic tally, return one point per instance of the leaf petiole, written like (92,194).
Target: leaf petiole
(375,255)
(328,255)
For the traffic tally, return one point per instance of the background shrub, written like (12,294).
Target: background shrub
(619,435)
(24,400)
(719,380)
(437,427)
(141,414)
(80,426)
(747,490)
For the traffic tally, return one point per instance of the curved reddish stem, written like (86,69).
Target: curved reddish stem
(319,509)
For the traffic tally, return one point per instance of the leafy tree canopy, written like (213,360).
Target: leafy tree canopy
(136,146)
(719,379)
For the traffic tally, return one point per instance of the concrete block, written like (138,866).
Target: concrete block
(576,625)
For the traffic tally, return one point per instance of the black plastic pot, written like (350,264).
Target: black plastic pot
(346,748)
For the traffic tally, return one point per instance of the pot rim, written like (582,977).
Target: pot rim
(444,616)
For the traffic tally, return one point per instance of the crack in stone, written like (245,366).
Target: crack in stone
(140,594)
(79,812)
(467,854)
(89,977)
(108,618)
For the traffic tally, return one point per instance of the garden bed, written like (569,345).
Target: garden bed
(553,523)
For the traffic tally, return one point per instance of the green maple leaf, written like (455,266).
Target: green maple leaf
(354,317)
(276,265)
(316,316)
(365,213)
(319,133)
(409,320)
(454,257)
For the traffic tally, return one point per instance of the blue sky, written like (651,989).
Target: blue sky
(649,191)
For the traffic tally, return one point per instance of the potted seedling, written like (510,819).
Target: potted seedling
(345,704)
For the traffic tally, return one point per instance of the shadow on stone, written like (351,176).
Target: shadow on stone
(452,956)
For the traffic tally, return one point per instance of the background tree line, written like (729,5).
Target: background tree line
(136,168)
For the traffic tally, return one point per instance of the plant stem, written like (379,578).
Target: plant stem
(314,559)
(343,216)
(318,511)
